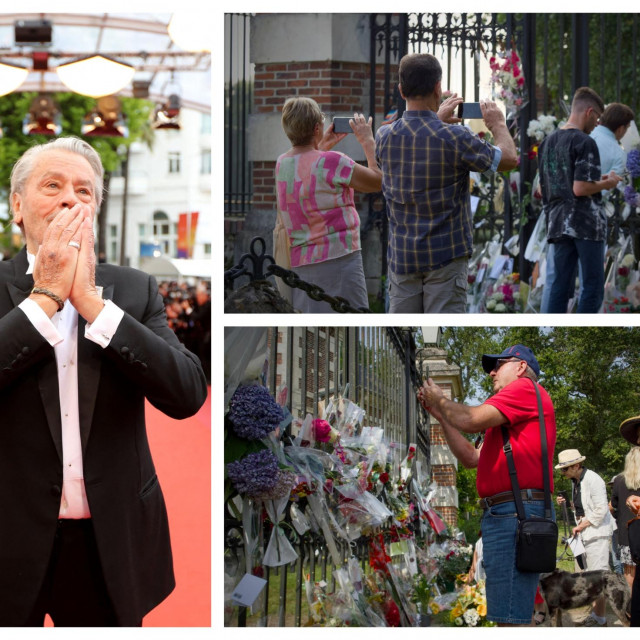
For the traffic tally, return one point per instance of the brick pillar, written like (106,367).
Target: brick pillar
(444,464)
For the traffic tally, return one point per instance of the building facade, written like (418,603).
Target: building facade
(171,178)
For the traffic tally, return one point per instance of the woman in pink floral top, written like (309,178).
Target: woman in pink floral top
(315,202)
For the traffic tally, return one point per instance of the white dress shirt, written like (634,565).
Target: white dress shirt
(61,332)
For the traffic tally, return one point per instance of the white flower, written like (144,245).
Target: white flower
(500,308)
(458,621)
(471,617)
(498,296)
(628,260)
(490,305)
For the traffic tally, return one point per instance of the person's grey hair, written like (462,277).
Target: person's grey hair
(22,169)
(530,373)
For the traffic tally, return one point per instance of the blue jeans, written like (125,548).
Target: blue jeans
(510,593)
(568,253)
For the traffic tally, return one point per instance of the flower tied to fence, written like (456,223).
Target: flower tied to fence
(507,80)
(631,195)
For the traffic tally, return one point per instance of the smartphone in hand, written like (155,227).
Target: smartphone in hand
(341,125)
(470,111)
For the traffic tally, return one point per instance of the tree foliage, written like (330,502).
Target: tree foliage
(591,373)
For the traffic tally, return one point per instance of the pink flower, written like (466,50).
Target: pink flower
(520,81)
(321,430)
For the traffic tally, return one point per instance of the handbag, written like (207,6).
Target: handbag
(282,256)
(537,538)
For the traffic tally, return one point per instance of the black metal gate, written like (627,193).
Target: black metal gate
(559,53)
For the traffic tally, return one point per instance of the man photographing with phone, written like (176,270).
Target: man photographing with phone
(425,166)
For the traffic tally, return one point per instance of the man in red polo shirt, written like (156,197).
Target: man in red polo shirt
(510,593)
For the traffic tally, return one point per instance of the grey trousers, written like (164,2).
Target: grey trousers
(342,277)
(439,291)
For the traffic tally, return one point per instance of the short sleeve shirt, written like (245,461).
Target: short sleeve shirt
(425,167)
(519,405)
(317,206)
(565,156)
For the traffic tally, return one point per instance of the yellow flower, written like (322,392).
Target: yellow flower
(457,611)
(435,609)
(482,610)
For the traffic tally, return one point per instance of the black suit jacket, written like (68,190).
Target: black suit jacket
(143,360)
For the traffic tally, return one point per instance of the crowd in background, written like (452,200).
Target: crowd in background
(188,310)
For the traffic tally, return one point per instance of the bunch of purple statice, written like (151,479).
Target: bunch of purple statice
(285,481)
(255,474)
(253,412)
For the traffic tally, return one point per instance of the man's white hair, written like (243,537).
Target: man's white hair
(22,169)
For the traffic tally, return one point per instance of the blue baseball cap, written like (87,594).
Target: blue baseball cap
(517,351)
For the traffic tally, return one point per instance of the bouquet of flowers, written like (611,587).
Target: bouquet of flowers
(542,127)
(631,195)
(470,609)
(454,560)
(506,74)
(504,295)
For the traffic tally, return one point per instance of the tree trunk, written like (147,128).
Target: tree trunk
(102,220)
(125,193)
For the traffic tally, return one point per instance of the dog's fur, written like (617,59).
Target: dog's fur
(563,590)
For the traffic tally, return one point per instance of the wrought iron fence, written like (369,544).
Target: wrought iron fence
(238,99)
(375,367)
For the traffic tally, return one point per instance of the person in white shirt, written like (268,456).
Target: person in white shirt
(84,533)
(594,521)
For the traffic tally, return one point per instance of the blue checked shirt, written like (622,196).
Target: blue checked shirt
(425,167)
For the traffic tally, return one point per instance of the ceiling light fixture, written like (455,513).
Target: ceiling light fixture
(106,120)
(43,118)
(96,75)
(11,77)
(190,32)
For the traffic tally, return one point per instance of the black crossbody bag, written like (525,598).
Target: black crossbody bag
(537,538)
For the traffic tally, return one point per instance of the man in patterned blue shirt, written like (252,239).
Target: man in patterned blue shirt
(426,160)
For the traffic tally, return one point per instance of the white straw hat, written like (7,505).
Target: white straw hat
(568,457)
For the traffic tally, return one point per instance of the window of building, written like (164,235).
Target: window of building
(113,251)
(205,123)
(205,162)
(165,233)
(174,162)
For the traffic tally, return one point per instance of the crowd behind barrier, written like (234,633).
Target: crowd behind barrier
(188,310)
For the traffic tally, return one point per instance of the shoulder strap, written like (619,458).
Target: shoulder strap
(545,463)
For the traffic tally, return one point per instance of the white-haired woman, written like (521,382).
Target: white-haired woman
(314,188)
(625,485)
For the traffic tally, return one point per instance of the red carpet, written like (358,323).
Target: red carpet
(182,454)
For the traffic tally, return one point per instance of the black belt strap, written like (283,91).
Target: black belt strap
(545,463)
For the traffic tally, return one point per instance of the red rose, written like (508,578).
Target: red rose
(392,614)
(384,477)
(258,571)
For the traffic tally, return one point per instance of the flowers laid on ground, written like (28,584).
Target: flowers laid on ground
(470,609)
(508,81)
(504,295)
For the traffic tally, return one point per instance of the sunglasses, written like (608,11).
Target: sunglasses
(503,361)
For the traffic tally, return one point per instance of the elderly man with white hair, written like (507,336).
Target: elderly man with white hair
(594,521)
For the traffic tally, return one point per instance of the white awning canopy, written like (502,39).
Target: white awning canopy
(176,268)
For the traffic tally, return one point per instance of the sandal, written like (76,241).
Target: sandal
(540,617)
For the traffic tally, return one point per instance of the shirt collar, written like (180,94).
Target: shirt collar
(32,259)
(601,130)
(420,114)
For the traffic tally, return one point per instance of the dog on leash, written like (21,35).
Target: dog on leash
(563,590)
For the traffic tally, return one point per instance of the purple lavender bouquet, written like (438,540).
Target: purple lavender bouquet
(631,195)
(255,474)
(253,412)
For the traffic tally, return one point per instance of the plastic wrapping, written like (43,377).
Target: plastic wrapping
(279,550)
(245,353)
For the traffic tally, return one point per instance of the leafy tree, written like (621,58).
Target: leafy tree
(591,373)
(73,107)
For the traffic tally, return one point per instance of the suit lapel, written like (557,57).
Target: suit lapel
(47,374)
(89,364)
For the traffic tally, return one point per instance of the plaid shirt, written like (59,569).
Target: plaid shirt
(425,180)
